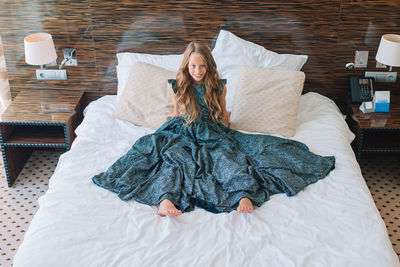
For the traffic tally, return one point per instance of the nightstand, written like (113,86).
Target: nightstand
(38,119)
(375,132)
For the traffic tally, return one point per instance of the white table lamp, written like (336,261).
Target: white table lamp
(389,51)
(39,49)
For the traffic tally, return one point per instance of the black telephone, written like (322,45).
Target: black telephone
(361,89)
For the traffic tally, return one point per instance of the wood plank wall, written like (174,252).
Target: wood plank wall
(328,31)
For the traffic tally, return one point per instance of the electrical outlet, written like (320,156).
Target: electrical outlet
(53,74)
(382,76)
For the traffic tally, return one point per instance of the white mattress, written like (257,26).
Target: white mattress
(333,222)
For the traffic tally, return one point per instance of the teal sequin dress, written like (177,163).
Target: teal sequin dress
(210,166)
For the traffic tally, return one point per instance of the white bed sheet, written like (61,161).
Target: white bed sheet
(333,222)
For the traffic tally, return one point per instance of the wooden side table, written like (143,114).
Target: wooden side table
(38,119)
(375,132)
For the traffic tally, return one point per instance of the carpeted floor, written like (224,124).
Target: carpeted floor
(19,203)
(382,174)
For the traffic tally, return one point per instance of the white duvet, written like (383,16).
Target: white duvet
(333,222)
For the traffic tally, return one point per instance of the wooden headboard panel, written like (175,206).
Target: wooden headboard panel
(327,31)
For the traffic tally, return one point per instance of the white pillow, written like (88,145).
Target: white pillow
(231,53)
(126,61)
(267,101)
(146,99)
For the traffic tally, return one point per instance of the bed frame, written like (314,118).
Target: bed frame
(328,31)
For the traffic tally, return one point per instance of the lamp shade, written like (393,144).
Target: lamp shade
(389,50)
(39,49)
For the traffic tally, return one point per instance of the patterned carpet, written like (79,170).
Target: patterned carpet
(382,174)
(19,203)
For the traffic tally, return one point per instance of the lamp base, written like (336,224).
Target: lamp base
(51,74)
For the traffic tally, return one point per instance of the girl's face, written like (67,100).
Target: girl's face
(197,68)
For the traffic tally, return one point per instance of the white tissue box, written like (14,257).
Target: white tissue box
(382,101)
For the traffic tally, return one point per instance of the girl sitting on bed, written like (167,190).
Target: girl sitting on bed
(195,159)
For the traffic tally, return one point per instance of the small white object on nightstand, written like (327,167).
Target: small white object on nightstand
(367,107)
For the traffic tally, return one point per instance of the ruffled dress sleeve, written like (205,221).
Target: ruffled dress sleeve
(174,85)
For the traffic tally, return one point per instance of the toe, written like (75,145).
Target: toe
(176,213)
(171,212)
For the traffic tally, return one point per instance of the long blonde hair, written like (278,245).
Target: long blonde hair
(185,90)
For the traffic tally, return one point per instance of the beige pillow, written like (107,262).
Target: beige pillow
(146,99)
(266,100)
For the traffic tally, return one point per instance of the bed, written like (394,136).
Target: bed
(333,222)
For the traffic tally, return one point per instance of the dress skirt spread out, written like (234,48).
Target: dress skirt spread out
(208,165)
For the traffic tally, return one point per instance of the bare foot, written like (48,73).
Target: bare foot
(167,208)
(245,205)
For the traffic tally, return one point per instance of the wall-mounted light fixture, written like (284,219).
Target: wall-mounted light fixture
(40,50)
(389,51)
